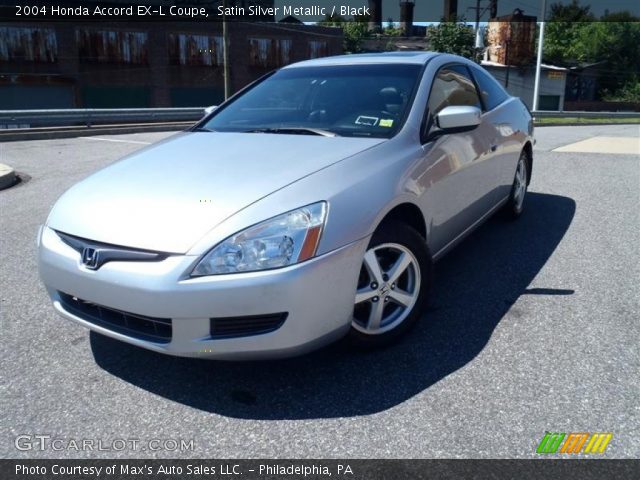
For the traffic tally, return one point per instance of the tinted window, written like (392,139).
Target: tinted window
(491,91)
(453,86)
(351,100)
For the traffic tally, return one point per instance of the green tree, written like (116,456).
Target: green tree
(573,12)
(354,30)
(452,37)
(391,30)
(630,92)
(618,45)
(623,16)
(573,36)
(565,24)
(354,34)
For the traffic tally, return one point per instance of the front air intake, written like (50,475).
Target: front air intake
(246,326)
(151,329)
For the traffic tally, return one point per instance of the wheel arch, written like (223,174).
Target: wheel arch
(409,214)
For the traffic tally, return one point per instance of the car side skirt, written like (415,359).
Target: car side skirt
(449,246)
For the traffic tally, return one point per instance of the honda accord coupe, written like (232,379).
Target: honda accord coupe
(309,206)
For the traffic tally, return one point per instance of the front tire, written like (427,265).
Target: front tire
(392,286)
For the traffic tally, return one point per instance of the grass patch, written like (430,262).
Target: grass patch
(586,121)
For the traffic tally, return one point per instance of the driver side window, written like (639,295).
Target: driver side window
(453,86)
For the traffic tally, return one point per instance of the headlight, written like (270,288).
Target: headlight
(287,239)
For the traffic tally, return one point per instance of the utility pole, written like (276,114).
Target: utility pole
(506,56)
(493,8)
(536,84)
(450,10)
(225,51)
(481,11)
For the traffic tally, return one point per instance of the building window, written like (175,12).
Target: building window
(27,44)
(269,52)
(188,49)
(318,49)
(109,46)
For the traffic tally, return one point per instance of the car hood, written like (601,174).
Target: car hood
(167,196)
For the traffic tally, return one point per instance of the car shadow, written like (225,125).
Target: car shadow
(475,286)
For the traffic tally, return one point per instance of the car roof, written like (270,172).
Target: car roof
(417,58)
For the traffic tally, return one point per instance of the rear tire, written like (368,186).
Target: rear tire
(515,205)
(392,287)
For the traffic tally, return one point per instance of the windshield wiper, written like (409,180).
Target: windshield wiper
(203,129)
(294,130)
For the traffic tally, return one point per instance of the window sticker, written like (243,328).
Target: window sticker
(386,122)
(369,121)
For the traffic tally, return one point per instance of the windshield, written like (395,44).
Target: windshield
(345,100)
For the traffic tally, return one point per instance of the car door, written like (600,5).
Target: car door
(458,182)
(505,144)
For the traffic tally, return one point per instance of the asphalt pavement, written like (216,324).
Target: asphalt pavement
(533,326)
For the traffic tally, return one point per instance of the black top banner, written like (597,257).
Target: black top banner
(309,11)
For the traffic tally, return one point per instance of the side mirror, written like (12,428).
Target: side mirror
(458,118)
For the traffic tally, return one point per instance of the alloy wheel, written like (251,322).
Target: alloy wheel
(520,187)
(388,288)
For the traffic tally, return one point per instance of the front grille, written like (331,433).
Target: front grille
(151,329)
(246,326)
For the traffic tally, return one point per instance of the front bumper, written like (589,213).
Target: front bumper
(317,296)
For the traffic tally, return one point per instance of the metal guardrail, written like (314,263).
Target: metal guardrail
(20,119)
(563,114)
(87,117)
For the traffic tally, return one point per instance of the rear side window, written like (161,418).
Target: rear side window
(453,86)
(491,91)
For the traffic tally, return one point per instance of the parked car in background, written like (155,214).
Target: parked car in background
(309,206)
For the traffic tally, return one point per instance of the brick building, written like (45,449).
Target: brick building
(144,64)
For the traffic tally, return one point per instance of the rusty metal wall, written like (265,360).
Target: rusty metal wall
(269,52)
(29,44)
(112,46)
(104,63)
(191,49)
(318,48)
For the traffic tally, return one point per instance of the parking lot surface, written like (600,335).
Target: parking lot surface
(532,327)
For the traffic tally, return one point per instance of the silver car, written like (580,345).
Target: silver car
(309,206)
